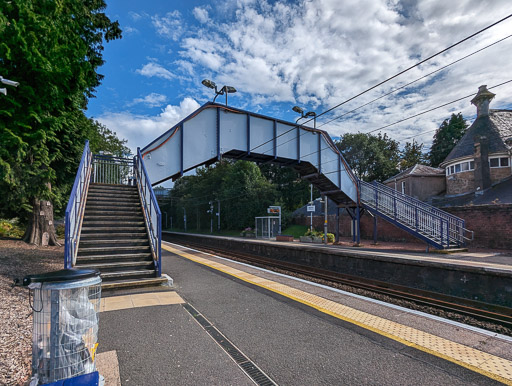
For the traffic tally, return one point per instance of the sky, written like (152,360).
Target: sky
(314,54)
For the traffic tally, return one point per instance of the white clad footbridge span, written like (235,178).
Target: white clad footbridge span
(216,131)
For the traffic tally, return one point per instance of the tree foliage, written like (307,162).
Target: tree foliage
(244,192)
(446,137)
(53,49)
(411,155)
(372,157)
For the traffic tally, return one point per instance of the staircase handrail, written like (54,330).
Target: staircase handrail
(432,208)
(151,210)
(455,226)
(76,207)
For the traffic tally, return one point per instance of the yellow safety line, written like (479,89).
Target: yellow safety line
(492,366)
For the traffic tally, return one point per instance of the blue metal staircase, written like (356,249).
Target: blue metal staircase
(113,222)
(434,226)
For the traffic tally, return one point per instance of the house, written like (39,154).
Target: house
(482,157)
(419,181)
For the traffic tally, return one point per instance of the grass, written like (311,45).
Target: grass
(295,230)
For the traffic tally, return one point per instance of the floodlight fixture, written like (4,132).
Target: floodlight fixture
(298,110)
(225,90)
(9,82)
(3,91)
(208,83)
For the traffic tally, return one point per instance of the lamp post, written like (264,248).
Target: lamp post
(300,111)
(225,90)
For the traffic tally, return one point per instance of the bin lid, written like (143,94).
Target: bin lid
(71,274)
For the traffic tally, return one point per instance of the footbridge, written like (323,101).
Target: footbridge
(113,222)
(216,131)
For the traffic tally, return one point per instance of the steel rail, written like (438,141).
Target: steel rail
(481,311)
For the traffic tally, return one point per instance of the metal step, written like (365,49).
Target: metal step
(113,195)
(112,186)
(130,283)
(113,211)
(113,243)
(111,267)
(112,250)
(120,275)
(86,230)
(88,259)
(119,222)
(115,205)
(109,217)
(122,236)
(124,200)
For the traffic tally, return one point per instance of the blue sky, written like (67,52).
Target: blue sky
(314,54)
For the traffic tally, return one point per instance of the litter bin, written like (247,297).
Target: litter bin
(64,340)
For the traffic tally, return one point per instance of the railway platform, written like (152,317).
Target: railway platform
(224,322)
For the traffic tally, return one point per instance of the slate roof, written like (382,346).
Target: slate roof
(417,170)
(497,127)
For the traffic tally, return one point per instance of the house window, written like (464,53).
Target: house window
(499,162)
(460,167)
(403,187)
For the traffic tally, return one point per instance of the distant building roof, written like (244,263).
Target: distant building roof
(417,170)
(497,127)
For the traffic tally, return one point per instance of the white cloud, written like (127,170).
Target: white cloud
(140,130)
(319,53)
(201,14)
(129,30)
(151,100)
(171,25)
(155,69)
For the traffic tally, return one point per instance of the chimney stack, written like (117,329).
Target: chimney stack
(482,100)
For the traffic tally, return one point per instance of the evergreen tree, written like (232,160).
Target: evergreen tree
(53,49)
(411,155)
(446,137)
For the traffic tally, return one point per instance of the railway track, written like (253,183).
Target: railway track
(483,312)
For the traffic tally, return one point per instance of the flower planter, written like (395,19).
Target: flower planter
(309,239)
(284,238)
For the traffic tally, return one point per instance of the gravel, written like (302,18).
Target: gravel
(18,259)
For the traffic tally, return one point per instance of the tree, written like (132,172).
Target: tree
(446,137)
(53,49)
(411,155)
(372,157)
(102,138)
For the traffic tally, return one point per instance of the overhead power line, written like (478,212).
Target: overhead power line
(415,65)
(390,78)
(414,81)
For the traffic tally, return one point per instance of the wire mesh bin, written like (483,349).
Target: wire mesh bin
(66,304)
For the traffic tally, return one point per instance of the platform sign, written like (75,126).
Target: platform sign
(273,209)
(311,208)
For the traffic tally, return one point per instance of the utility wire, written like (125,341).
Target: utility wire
(388,79)
(415,65)
(414,81)
(432,109)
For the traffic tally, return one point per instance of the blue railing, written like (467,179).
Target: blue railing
(433,225)
(151,211)
(76,207)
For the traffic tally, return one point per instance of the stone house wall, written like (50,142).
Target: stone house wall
(459,183)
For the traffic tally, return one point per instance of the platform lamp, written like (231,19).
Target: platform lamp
(300,111)
(225,90)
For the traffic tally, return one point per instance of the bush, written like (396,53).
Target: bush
(10,228)
(315,233)
(60,230)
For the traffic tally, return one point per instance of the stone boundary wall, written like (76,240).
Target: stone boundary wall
(492,225)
